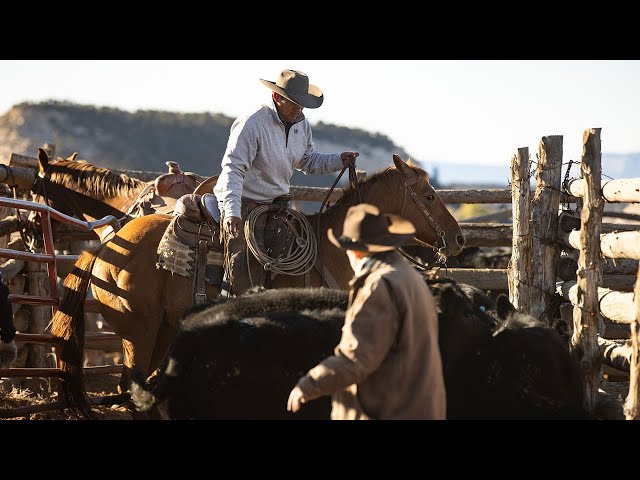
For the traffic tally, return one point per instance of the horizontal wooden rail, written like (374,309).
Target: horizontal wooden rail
(90,338)
(613,191)
(56,372)
(482,278)
(614,305)
(612,245)
(30,409)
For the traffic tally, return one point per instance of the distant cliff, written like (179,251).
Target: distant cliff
(145,140)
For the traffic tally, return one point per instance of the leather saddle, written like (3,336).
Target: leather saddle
(162,194)
(197,226)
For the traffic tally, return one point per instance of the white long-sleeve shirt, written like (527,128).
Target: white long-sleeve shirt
(260,159)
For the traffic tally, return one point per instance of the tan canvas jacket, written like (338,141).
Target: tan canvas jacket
(387,364)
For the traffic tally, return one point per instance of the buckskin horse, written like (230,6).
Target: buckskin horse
(144,305)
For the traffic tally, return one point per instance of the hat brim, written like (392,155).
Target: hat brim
(313,99)
(345,243)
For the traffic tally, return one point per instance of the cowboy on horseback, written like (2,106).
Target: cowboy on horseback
(264,148)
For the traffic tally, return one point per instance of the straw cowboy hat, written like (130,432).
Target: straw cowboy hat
(295,86)
(366,229)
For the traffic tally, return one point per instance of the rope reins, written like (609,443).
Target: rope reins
(353,183)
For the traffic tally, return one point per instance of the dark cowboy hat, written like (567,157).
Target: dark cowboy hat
(366,229)
(295,86)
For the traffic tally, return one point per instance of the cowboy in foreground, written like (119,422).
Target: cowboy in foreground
(387,364)
(263,150)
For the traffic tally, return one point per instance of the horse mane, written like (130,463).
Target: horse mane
(90,180)
(373,178)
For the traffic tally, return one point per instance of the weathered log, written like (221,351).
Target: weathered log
(620,266)
(632,404)
(487,234)
(482,278)
(567,268)
(615,331)
(520,273)
(568,222)
(494,196)
(621,245)
(23,161)
(544,229)
(40,317)
(623,215)
(500,217)
(20,177)
(612,245)
(10,268)
(584,343)
(613,191)
(615,355)
(614,305)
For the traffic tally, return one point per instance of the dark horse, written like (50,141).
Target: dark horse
(87,192)
(240,358)
(8,350)
(144,305)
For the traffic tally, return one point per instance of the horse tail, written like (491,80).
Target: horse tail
(67,325)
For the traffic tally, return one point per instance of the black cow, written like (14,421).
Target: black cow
(239,359)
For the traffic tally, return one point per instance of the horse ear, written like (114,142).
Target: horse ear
(72,157)
(504,306)
(43,160)
(402,166)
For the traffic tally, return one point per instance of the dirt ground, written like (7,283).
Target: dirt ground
(96,386)
(101,385)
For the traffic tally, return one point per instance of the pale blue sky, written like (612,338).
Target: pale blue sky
(460,111)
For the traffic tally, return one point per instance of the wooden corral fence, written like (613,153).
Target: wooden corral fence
(43,295)
(539,256)
(592,302)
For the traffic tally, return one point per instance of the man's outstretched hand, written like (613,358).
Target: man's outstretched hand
(349,158)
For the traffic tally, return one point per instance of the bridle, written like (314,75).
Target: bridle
(440,244)
(424,210)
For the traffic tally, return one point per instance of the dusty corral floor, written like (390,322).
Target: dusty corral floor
(100,385)
(96,385)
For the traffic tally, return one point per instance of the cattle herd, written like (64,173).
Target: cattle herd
(238,358)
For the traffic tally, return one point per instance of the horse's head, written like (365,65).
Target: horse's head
(82,190)
(420,203)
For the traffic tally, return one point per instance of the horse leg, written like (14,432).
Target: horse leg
(134,360)
(127,362)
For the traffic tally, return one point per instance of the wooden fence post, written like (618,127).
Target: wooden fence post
(586,316)
(519,273)
(37,356)
(544,210)
(632,405)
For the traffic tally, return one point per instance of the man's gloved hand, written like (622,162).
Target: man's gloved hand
(232,225)
(349,158)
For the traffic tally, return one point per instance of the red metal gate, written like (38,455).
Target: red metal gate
(50,258)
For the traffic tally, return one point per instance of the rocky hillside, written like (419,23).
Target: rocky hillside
(145,140)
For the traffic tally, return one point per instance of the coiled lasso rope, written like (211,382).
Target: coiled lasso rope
(302,253)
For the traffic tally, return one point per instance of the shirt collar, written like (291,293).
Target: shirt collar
(274,110)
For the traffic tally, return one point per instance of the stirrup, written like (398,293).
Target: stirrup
(209,208)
